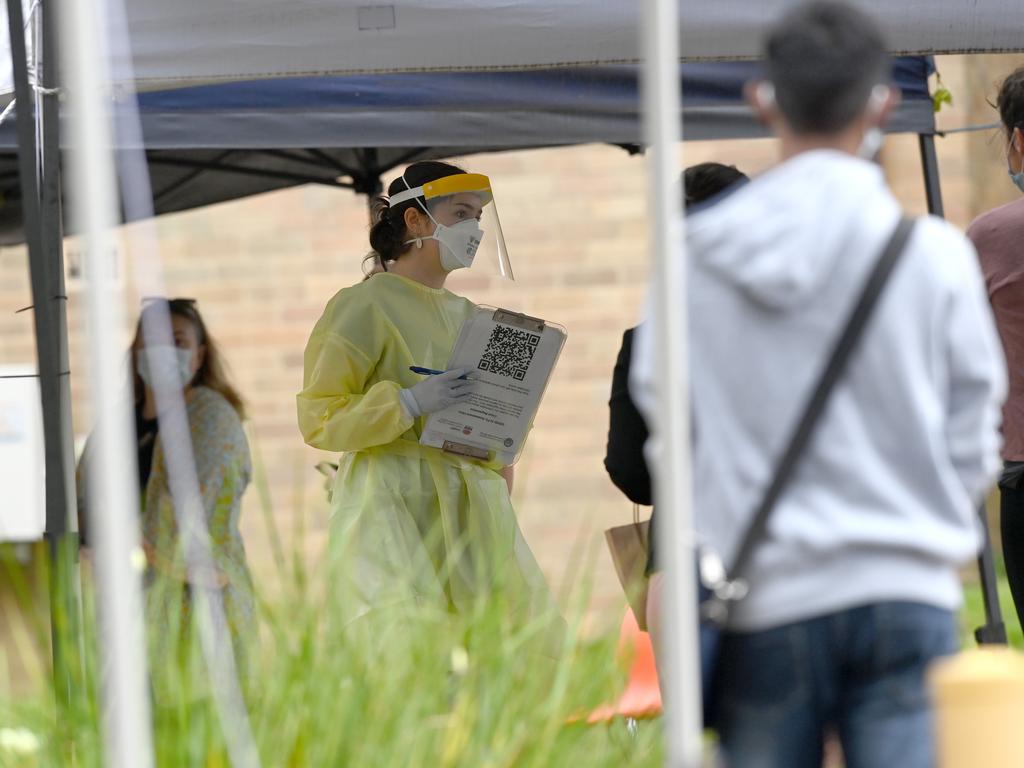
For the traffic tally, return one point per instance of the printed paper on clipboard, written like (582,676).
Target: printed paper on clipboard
(512,357)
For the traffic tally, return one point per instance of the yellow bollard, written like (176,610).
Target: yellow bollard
(979,701)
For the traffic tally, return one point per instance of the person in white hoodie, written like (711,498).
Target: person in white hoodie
(853,589)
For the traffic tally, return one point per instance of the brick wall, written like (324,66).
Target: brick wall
(574,220)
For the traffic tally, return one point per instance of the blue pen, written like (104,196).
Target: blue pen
(430,371)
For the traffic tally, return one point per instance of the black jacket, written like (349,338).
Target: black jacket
(627,433)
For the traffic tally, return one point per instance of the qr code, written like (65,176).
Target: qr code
(509,352)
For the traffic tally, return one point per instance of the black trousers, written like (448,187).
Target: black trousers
(1011,525)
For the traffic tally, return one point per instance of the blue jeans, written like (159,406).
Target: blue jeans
(859,671)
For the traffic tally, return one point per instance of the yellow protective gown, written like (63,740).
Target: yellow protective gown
(409,522)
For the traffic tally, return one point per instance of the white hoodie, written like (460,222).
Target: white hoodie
(882,504)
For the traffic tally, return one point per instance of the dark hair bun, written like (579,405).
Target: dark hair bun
(386,237)
(388,234)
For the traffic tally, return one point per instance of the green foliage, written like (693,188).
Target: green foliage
(942,95)
(418,689)
(423,688)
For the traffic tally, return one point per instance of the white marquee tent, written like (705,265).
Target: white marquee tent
(194,42)
(198,41)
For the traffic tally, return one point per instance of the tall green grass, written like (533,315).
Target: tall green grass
(429,688)
(425,689)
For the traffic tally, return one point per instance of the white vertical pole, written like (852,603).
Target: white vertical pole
(127,729)
(673,489)
(143,246)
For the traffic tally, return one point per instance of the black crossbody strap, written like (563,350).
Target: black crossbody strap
(826,383)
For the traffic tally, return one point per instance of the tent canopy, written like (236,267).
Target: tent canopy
(186,42)
(467,109)
(213,143)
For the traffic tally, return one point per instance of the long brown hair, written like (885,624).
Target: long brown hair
(212,373)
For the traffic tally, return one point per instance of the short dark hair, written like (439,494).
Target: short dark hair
(705,180)
(1010,101)
(823,59)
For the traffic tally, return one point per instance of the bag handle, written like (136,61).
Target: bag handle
(732,586)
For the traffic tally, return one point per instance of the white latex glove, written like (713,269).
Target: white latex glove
(437,392)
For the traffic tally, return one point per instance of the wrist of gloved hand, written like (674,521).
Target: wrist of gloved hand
(409,404)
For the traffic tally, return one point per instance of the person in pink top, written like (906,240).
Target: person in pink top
(998,236)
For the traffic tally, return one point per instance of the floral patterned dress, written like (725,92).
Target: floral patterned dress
(223,468)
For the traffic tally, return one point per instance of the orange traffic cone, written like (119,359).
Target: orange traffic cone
(642,696)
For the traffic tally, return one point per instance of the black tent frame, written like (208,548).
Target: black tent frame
(39,172)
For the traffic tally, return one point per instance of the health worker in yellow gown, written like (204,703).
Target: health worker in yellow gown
(412,525)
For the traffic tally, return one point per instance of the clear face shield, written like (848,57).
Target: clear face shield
(468,230)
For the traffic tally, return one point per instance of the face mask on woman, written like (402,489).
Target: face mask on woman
(1018,176)
(164,363)
(459,242)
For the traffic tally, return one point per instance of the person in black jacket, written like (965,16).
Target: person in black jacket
(627,432)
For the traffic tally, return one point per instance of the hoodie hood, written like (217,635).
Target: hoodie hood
(778,237)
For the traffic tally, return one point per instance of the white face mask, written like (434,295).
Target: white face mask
(165,364)
(459,242)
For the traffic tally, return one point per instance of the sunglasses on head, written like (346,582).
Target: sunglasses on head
(178,303)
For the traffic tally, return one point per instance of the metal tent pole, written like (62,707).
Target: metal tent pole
(673,487)
(930,164)
(61,518)
(51,340)
(993,631)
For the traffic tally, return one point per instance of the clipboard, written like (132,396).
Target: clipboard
(512,356)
